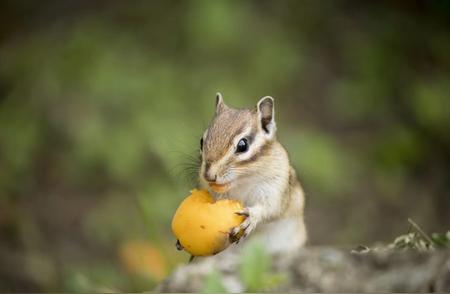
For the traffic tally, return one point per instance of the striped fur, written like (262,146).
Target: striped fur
(261,177)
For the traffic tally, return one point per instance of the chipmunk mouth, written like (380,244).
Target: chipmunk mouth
(219,188)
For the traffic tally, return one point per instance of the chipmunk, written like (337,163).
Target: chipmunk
(242,159)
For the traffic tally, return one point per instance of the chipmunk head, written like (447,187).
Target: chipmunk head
(235,142)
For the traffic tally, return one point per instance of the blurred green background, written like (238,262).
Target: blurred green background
(102,105)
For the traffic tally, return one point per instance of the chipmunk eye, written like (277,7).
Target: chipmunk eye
(201,143)
(242,146)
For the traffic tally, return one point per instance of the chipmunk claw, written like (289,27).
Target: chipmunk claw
(233,238)
(245,212)
(234,235)
(245,228)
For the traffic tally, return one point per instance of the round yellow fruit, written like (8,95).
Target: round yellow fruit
(202,225)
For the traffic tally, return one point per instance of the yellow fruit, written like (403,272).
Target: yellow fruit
(202,225)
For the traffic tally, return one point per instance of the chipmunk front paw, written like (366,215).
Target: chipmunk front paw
(246,227)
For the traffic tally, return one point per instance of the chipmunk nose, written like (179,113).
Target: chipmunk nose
(209,175)
(210,178)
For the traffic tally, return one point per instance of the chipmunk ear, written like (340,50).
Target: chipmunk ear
(220,105)
(266,114)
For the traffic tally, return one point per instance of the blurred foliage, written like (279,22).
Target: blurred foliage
(213,283)
(415,239)
(102,105)
(419,240)
(255,270)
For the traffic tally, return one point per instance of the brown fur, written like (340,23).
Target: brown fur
(224,127)
(273,191)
